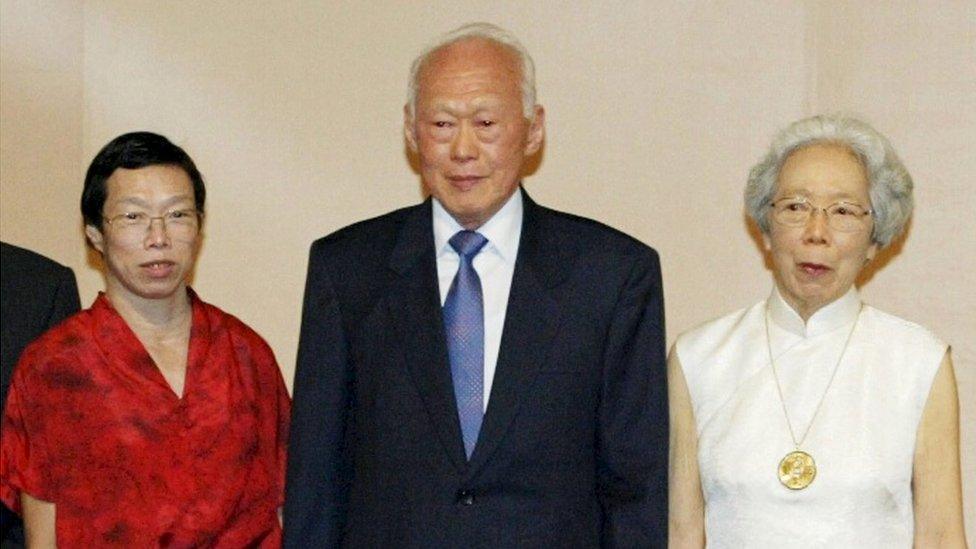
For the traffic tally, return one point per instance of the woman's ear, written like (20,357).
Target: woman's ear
(96,237)
(872,251)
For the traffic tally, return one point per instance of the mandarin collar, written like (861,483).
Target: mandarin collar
(840,312)
(503,230)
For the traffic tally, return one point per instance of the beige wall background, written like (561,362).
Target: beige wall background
(656,111)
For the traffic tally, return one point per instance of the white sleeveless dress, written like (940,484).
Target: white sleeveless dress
(863,439)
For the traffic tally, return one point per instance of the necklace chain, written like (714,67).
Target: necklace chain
(779,388)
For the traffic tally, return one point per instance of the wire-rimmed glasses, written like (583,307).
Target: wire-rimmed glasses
(176,222)
(796,211)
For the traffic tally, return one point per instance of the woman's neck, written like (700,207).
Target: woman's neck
(154,318)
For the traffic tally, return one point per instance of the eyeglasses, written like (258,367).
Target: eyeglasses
(176,222)
(796,211)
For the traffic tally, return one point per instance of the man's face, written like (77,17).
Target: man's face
(469,129)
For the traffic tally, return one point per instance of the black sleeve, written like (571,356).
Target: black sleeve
(633,439)
(65,300)
(319,465)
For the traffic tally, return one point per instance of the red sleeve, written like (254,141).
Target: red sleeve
(282,421)
(277,403)
(24,453)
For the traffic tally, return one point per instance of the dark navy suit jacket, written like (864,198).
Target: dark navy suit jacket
(573,450)
(35,294)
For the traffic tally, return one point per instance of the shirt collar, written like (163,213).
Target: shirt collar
(503,230)
(838,313)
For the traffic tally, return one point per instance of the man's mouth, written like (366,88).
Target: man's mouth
(464,182)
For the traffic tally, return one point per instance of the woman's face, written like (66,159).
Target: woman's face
(815,264)
(147,263)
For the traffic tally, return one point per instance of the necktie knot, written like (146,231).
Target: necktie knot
(467,243)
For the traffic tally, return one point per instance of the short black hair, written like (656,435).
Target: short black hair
(133,151)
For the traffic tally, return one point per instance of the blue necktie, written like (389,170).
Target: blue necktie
(465,325)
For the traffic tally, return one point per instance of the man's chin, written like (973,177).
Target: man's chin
(470,222)
(465,212)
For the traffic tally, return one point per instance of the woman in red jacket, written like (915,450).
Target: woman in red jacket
(151,418)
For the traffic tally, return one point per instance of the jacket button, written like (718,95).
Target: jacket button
(465,497)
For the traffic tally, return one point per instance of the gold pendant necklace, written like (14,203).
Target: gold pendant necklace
(797,469)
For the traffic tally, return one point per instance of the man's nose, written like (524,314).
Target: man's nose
(156,234)
(464,147)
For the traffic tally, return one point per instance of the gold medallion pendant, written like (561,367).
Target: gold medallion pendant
(797,470)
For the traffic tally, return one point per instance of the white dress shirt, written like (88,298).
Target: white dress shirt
(495,265)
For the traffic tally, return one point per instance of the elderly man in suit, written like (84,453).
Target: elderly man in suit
(478,370)
(37,293)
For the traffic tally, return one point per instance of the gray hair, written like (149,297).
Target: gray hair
(889,184)
(484,31)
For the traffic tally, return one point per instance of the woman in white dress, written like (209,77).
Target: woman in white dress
(811,419)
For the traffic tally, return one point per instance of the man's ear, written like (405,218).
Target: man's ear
(537,131)
(96,237)
(409,129)
(767,244)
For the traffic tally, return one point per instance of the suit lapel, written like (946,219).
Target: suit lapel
(531,321)
(416,312)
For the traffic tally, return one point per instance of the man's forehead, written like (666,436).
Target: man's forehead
(471,53)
